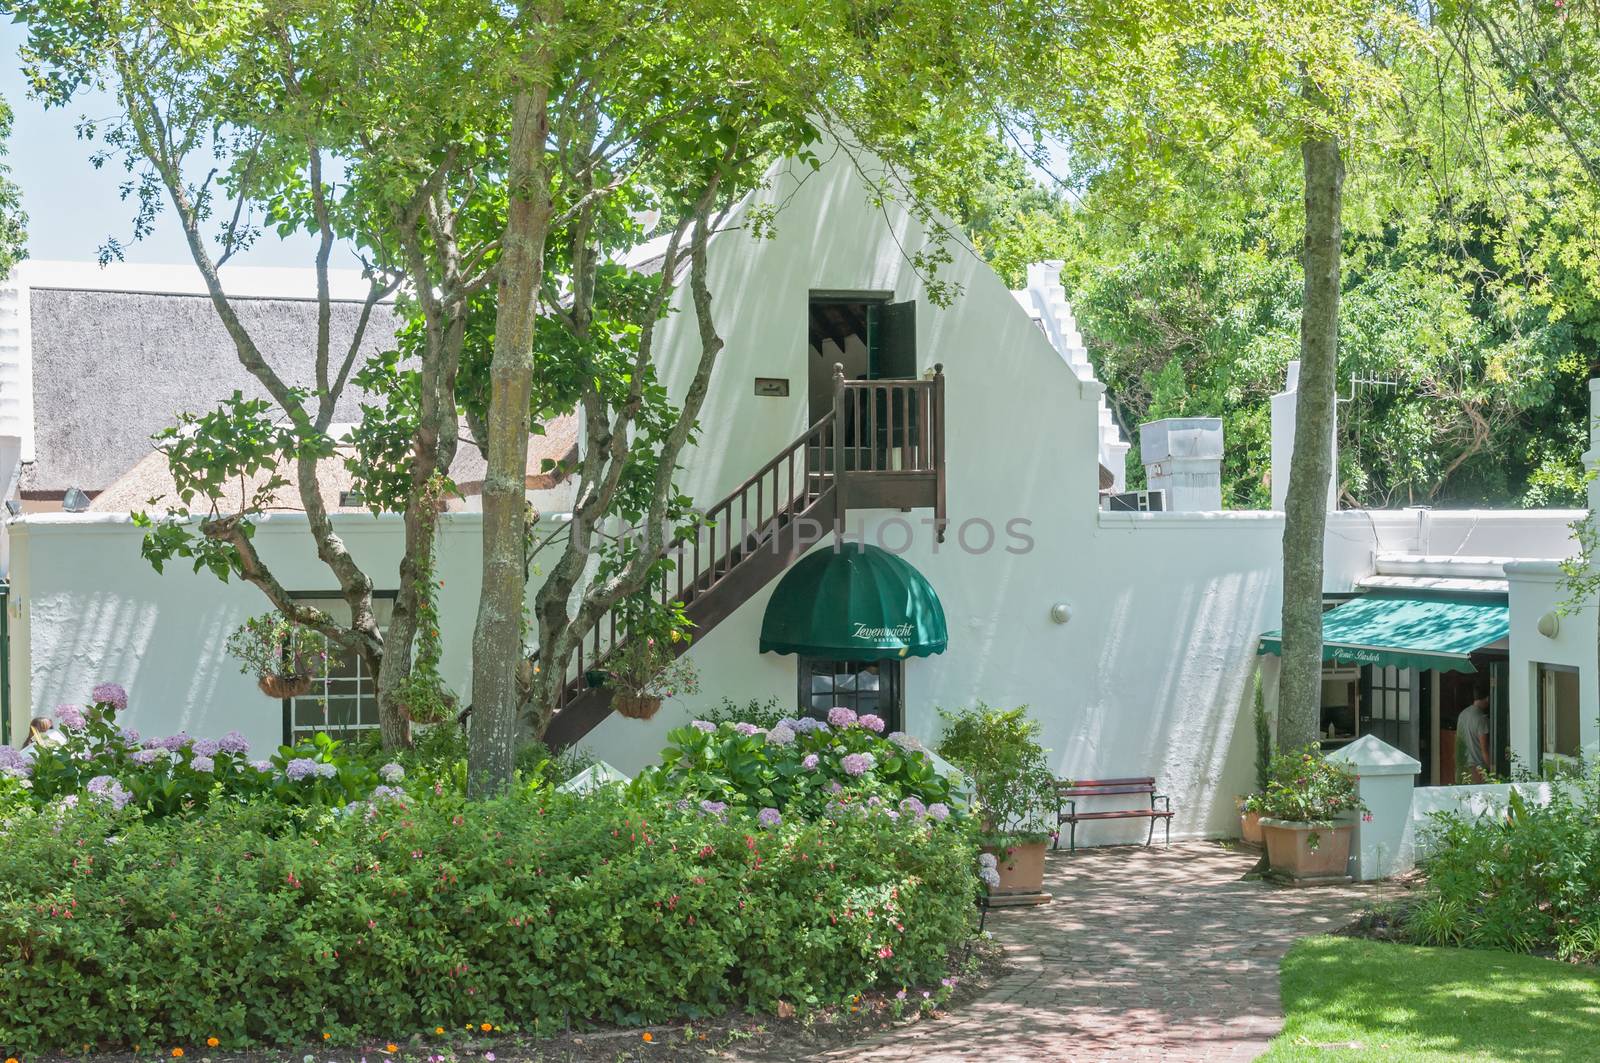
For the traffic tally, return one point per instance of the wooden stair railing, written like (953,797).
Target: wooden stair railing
(881,446)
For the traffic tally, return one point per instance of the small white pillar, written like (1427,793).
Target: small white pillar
(1283,422)
(1387,776)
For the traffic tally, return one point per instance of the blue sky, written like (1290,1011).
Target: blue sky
(72,207)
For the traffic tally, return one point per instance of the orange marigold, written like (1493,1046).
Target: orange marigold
(213,1042)
(486,1026)
(177,1053)
(438,1029)
(391,1048)
(647,1036)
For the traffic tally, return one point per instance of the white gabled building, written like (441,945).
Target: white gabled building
(1132,636)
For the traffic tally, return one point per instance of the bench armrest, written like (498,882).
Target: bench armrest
(1163,798)
(1062,817)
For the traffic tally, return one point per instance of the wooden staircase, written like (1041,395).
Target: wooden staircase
(880,447)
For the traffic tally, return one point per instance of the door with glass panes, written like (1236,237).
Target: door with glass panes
(343,700)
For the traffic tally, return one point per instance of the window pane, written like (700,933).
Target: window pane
(343,699)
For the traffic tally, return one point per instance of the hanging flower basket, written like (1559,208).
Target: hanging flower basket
(284,686)
(636,706)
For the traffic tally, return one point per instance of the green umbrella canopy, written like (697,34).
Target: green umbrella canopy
(856,603)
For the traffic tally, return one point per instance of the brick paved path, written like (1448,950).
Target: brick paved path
(1146,954)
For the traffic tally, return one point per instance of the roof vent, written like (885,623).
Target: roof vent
(75,500)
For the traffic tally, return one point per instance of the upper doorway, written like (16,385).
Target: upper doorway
(873,338)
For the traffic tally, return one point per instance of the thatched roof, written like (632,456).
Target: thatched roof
(148,484)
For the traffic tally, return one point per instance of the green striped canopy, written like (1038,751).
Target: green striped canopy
(856,603)
(1438,633)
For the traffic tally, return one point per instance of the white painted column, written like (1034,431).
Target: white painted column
(1283,422)
(1387,778)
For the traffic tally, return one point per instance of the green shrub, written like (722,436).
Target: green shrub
(765,714)
(1306,787)
(530,911)
(799,767)
(1525,880)
(1000,749)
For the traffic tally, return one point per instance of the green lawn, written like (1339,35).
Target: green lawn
(1349,999)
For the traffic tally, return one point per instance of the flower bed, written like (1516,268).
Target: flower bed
(527,912)
(802,768)
(96,760)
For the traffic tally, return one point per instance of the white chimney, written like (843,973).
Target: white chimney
(1183,457)
(1283,421)
(1591,459)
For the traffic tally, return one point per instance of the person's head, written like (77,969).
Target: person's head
(1480,695)
(38,727)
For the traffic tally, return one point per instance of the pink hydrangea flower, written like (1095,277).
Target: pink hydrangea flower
(839,716)
(857,764)
(71,717)
(811,762)
(872,722)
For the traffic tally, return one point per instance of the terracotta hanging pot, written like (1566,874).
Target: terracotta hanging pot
(284,686)
(635,706)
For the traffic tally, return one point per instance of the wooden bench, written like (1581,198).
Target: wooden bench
(1070,791)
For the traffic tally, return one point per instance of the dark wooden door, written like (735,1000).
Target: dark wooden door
(895,353)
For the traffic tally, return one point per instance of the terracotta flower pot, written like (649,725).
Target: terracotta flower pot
(635,706)
(284,686)
(1250,828)
(1021,868)
(1307,850)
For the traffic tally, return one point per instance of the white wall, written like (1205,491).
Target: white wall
(1538,588)
(92,610)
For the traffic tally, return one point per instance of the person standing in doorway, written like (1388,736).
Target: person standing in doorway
(1472,739)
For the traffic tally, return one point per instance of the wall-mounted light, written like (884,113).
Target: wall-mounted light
(1550,625)
(1061,612)
(13,507)
(75,500)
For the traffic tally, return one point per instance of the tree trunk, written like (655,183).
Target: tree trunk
(1306,505)
(497,639)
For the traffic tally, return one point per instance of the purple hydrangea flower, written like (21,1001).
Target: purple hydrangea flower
(703,725)
(172,742)
(263,766)
(811,762)
(805,725)
(107,788)
(202,763)
(769,817)
(987,860)
(857,764)
(149,756)
(939,811)
(130,738)
(388,793)
(841,717)
(990,877)
(234,742)
(325,771)
(834,786)
(714,808)
(206,747)
(71,717)
(13,758)
(781,735)
(110,694)
(17,771)
(872,722)
(68,801)
(746,729)
(300,768)
(392,772)
(914,806)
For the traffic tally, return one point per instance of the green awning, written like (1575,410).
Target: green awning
(856,603)
(1407,632)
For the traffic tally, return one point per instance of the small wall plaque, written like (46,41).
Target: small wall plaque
(772,387)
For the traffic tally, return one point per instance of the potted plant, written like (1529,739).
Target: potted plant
(645,672)
(1307,812)
(1249,804)
(283,656)
(1000,751)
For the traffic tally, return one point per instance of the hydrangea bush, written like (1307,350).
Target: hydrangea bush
(801,768)
(100,761)
(530,912)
